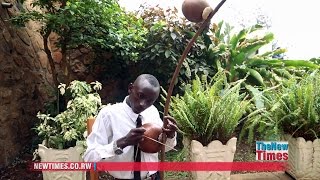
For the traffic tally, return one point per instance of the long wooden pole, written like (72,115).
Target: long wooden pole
(176,73)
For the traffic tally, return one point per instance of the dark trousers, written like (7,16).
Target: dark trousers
(155,176)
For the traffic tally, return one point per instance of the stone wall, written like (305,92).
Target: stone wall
(83,68)
(25,84)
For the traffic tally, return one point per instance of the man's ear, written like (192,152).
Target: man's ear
(130,87)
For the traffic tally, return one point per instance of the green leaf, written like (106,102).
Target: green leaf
(239,59)
(188,71)
(257,96)
(167,53)
(255,74)
(283,63)
(173,36)
(236,38)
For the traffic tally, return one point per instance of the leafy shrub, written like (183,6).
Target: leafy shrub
(99,25)
(68,127)
(168,35)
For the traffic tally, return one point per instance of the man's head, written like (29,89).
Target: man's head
(143,92)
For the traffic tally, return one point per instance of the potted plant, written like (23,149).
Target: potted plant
(292,113)
(64,135)
(207,116)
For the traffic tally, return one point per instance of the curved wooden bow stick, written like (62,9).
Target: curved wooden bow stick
(176,73)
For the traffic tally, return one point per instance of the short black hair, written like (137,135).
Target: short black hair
(150,78)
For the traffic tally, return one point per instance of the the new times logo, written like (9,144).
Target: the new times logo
(272,150)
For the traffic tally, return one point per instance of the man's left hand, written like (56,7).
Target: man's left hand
(171,127)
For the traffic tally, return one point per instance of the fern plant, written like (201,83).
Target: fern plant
(209,110)
(291,109)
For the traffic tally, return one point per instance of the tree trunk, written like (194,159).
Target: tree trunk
(50,58)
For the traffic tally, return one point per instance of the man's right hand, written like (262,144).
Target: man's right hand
(132,138)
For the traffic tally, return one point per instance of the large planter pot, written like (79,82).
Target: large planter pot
(214,152)
(304,158)
(73,154)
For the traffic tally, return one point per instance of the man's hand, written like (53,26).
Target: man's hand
(171,127)
(132,138)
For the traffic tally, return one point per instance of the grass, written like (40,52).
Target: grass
(176,156)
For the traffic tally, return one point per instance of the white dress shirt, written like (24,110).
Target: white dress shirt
(112,123)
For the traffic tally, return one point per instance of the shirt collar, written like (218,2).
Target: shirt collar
(133,116)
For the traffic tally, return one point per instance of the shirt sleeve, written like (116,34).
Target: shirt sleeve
(172,142)
(99,141)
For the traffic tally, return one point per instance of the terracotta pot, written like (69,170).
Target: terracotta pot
(193,9)
(152,131)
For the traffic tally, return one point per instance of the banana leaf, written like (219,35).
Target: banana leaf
(282,63)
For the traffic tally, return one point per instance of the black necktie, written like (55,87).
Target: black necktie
(137,152)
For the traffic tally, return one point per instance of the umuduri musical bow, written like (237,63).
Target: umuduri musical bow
(204,24)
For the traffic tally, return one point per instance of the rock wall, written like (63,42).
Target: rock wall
(84,67)
(25,83)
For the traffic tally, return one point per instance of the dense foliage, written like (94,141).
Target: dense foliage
(152,41)
(100,25)
(168,35)
(292,108)
(153,37)
(210,109)
(239,54)
(69,126)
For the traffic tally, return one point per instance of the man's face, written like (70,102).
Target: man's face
(142,95)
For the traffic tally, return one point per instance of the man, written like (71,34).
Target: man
(115,134)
